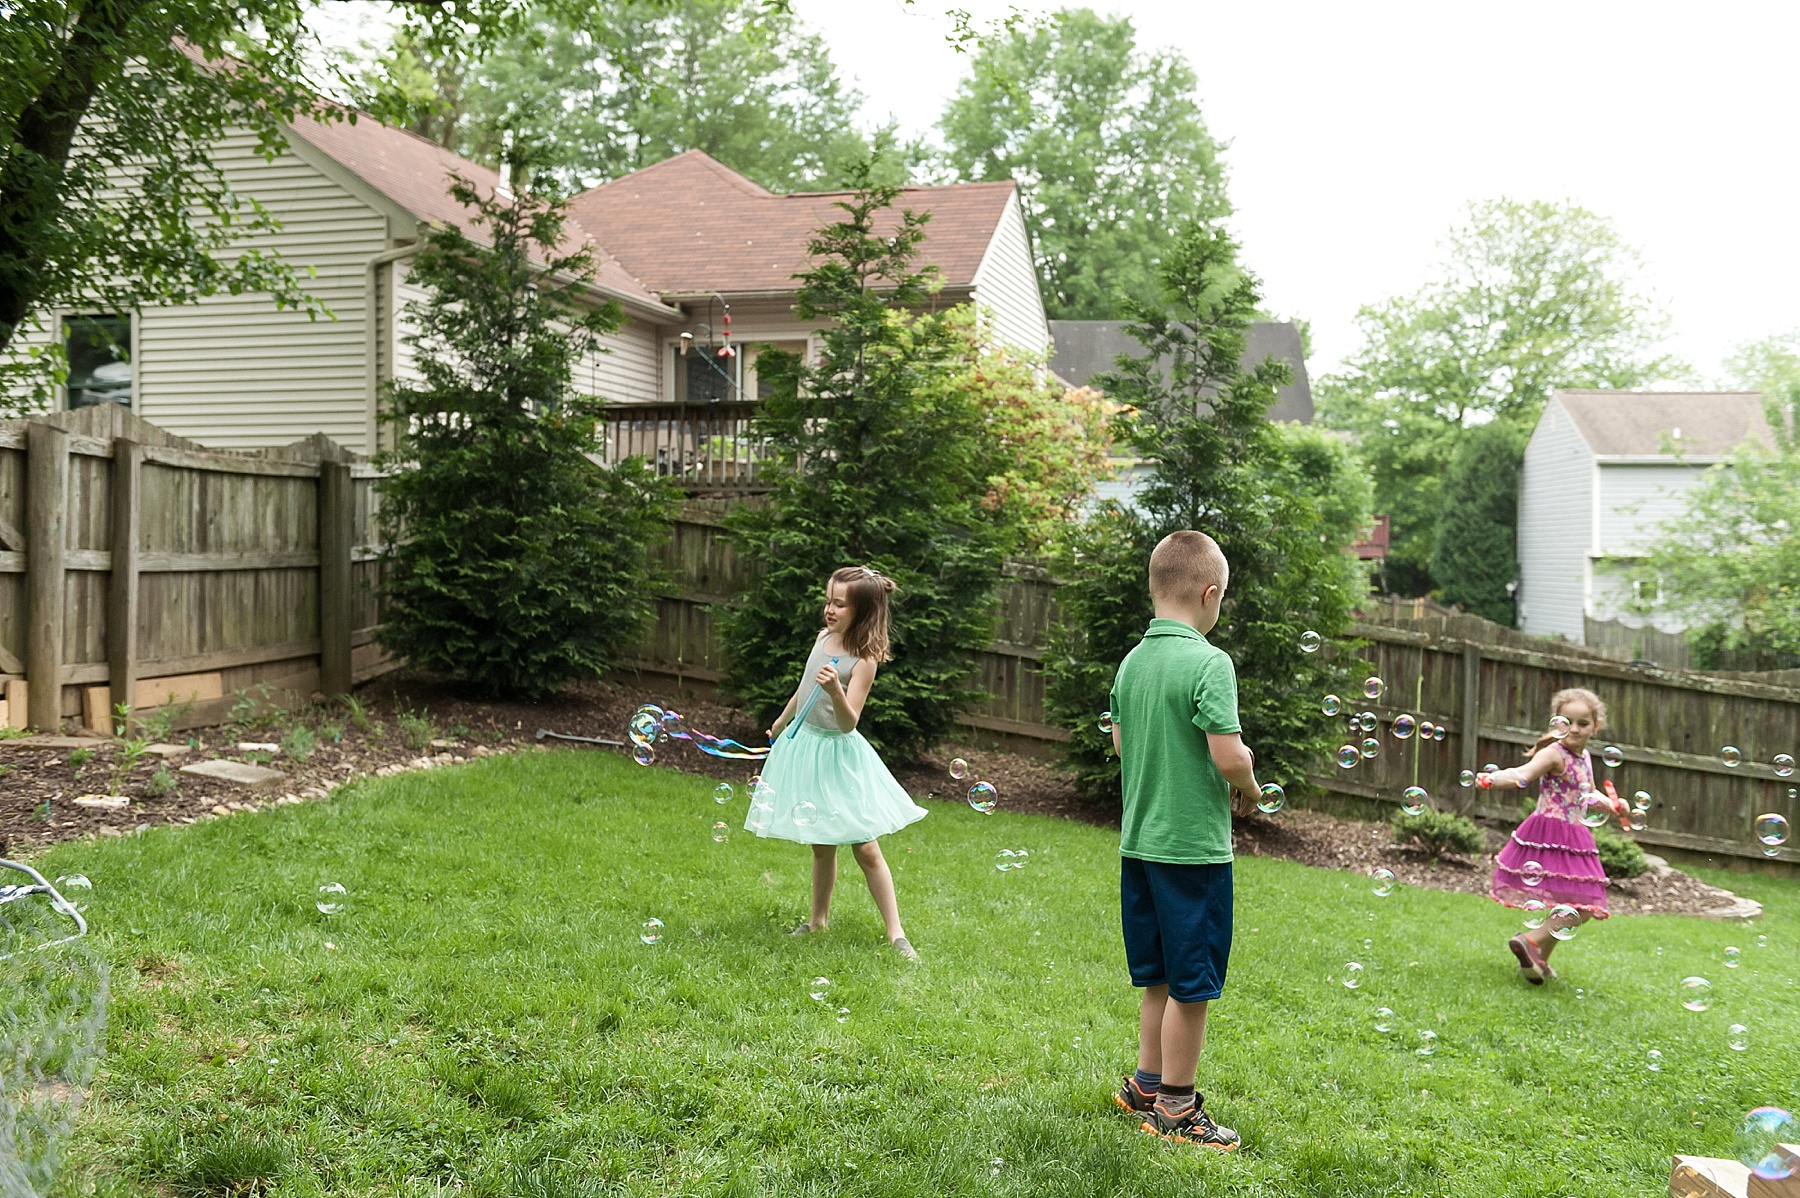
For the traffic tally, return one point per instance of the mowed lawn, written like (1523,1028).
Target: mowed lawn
(483,1019)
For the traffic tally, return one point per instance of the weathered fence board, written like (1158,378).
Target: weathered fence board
(128,555)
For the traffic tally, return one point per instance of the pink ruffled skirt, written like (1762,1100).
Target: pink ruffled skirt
(1571,866)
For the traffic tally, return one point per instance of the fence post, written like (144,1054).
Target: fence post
(336,511)
(1471,711)
(122,586)
(46,535)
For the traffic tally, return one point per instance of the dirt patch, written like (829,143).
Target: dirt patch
(39,784)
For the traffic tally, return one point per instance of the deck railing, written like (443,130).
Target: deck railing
(704,447)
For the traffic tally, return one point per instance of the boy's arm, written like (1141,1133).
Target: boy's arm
(1234,760)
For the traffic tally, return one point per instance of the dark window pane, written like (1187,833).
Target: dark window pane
(99,349)
(709,379)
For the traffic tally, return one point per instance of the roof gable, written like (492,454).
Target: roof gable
(1645,424)
(690,224)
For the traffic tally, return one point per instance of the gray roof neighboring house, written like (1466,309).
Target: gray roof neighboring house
(1699,426)
(1084,348)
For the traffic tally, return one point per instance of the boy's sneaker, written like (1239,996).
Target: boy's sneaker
(1192,1126)
(1132,1100)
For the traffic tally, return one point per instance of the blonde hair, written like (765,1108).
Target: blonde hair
(1561,699)
(867,589)
(1184,564)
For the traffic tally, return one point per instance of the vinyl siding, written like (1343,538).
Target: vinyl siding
(1634,502)
(1006,285)
(1555,498)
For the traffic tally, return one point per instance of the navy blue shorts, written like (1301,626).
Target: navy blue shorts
(1177,921)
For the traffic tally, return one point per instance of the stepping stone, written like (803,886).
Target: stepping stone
(166,751)
(103,801)
(254,776)
(59,742)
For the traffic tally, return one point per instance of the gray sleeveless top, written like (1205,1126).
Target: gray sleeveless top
(823,714)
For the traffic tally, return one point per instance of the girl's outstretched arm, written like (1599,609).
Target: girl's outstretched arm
(1547,761)
(847,704)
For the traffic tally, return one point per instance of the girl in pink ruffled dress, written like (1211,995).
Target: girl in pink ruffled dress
(1551,856)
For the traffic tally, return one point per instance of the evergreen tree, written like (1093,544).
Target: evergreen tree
(517,563)
(879,458)
(1283,502)
(1477,539)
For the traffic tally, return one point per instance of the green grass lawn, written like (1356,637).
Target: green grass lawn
(482,1018)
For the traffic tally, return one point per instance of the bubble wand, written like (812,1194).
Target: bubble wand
(810,700)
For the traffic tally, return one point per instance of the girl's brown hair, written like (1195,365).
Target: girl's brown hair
(1595,703)
(868,590)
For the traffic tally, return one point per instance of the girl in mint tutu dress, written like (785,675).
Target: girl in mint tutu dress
(1551,856)
(826,786)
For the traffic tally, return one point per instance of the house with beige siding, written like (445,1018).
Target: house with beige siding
(1602,471)
(679,245)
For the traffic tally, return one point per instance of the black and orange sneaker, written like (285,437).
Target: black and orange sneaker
(1132,1100)
(1192,1126)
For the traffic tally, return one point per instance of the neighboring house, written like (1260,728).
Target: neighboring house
(354,199)
(1603,470)
(1084,348)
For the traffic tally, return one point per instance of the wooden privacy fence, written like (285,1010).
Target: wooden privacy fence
(139,567)
(1487,685)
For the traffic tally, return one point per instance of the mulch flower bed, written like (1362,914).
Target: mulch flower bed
(419,722)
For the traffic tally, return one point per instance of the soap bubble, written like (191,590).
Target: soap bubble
(804,814)
(1370,746)
(1368,945)
(761,815)
(1384,882)
(1466,778)
(1732,756)
(1696,993)
(1559,726)
(1021,858)
(1003,860)
(1310,641)
(1784,764)
(1347,757)
(1772,828)
(983,797)
(1403,727)
(959,769)
(652,931)
(1426,728)
(1562,921)
(1531,873)
(1413,800)
(1490,768)
(67,885)
(721,833)
(1737,1037)
(819,988)
(331,898)
(1613,755)
(1367,721)
(1384,1019)
(1534,913)
(1352,975)
(1594,809)
(1437,733)
(1760,1139)
(724,793)
(1271,799)
(1427,1042)
(643,754)
(1641,800)
(1373,686)
(1732,956)
(843,1014)
(1635,820)
(643,728)
(1106,722)
(1332,705)
(1653,1060)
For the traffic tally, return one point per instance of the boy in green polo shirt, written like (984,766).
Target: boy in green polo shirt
(1175,727)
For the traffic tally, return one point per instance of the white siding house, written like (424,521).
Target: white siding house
(1603,470)
(1006,284)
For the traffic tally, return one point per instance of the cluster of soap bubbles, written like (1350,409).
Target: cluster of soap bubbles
(1007,860)
(762,805)
(819,990)
(650,724)
(983,796)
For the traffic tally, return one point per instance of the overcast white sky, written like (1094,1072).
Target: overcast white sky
(1358,131)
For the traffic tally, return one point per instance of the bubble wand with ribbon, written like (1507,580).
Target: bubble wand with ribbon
(810,701)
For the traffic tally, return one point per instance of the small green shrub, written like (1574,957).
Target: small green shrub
(235,1163)
(79,759)
(355,712)
(299,743)
(331,730)
(1620,856)
(417,728)
(1440,832)
(163,784)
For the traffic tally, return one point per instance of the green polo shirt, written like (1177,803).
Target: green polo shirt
(1171,691)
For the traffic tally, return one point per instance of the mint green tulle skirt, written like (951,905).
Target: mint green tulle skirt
(829,788)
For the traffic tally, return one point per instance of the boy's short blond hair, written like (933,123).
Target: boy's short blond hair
(1184,564)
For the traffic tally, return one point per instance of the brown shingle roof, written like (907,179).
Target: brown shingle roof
(414,172)
(1636,423)
(691,224)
